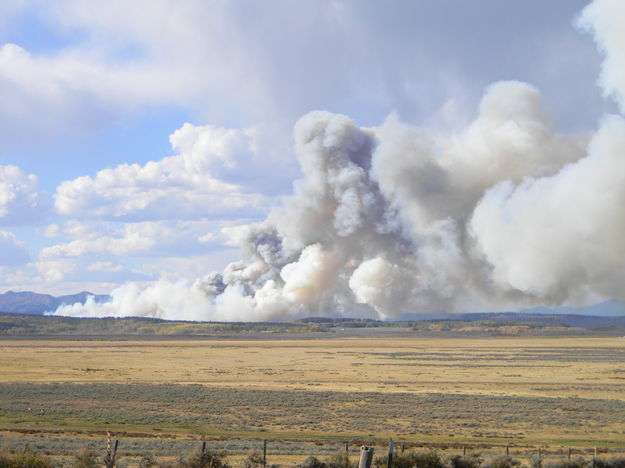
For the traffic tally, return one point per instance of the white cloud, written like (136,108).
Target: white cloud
(21,202)
(117,252)
(148,238)
(54,270)
(259,62)
(187,185)
(128,57)
(76,229)
(105,266)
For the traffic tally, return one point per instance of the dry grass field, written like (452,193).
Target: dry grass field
(557,391)
(532,366)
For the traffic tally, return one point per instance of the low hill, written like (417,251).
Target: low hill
(27,302)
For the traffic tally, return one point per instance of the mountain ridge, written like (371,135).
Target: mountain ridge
(32,303)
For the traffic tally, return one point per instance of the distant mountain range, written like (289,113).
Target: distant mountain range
(609,313)
(27,302)
(571,320)
(604,309)
(603,314)
(485,318)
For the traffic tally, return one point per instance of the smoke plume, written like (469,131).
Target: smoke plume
(401,219)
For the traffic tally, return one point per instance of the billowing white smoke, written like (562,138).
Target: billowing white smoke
(605,19)
(398,219)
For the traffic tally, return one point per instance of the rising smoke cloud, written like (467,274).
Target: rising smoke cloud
(398,218)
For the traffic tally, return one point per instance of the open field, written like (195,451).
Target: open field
(546,367)
(558,391)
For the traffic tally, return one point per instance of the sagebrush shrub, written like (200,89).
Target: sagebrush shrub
(313,462)
(502,462)
(577,463)
(340,460)
(85,459)
(610,462)
(24,460)
(253,460)
(205,459)
(459,461)
(430,459)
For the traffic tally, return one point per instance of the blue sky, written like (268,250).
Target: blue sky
(135,134)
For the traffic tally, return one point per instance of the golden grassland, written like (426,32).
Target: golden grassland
(531,366)
(526,390)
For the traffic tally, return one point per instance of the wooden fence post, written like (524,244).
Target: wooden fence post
(464,451)
(346,454)
(111,453)
(366,457)
(540,460)
(391,446)
(265,453)
(594,458)
(507,452)
(402,448)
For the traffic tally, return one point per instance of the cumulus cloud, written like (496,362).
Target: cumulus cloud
(66,92)
(400,218)
(125,57)
(105,266)
(21,201)
(191,184)
(97,247)
(154,238)
(104,61)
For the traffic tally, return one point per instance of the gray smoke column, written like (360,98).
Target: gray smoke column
(396,219)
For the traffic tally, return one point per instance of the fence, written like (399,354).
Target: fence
(274,451)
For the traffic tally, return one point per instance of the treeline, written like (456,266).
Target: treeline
(28,325)
(211,459)
(32,325)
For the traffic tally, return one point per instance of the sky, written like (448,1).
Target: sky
(148,147)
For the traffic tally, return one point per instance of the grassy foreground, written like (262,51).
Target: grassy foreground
(445,392)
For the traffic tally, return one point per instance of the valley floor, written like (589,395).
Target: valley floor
(558,391)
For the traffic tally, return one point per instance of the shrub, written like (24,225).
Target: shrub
(430,459)
(610,462)
(168,464)
(502,462)
(459,461)
(313,462)
(253,460)
(147,462)
(577,463)
(85,459)
(205,459)
(24,460)
(340,460)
